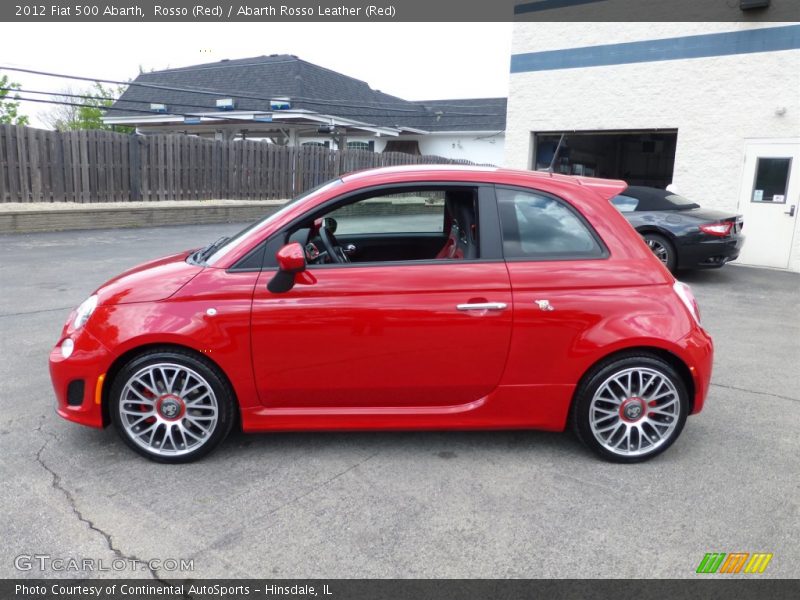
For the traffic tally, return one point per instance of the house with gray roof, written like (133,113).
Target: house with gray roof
(285,100)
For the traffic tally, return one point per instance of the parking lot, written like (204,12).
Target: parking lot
(439,504)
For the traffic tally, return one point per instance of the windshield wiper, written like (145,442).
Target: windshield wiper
(201,255)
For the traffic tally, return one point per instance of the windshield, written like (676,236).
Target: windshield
(256,228)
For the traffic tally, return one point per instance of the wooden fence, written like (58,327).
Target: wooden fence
(37,165)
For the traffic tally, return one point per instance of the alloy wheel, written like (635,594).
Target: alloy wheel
(659,250)
(168,409)
(634,411)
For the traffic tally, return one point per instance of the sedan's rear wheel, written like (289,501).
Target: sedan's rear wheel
(662,248)
(631,408)
(171,406)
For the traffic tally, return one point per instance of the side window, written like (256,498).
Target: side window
(407,212)
(537,226)
(624,203)
(437,222)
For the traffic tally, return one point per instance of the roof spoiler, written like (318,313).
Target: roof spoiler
(606,188)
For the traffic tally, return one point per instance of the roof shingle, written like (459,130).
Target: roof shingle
(309,87)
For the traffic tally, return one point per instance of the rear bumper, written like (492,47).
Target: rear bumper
(710,252)
(85,369)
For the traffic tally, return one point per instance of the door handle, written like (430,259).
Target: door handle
(791,210)
(483,306)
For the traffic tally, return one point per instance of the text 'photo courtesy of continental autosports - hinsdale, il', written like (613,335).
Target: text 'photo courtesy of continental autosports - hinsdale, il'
(496,299)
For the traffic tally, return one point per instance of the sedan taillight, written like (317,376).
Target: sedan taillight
(718,229)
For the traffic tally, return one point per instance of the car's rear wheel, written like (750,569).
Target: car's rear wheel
(171,406)
(662,248)
(630,408)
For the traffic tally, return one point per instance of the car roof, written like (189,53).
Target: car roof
(607,188)
(656,199)
(643,192)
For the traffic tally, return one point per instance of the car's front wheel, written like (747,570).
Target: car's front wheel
(171,406)
(630,408)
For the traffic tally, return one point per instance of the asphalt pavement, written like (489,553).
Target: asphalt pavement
(437,504)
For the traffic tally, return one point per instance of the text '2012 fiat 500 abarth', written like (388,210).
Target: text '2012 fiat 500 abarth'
(398,298)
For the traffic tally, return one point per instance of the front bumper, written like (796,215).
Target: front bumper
(88,363)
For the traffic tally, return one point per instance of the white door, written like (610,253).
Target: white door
(769,201)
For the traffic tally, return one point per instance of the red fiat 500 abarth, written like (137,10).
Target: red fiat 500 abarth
(401,298)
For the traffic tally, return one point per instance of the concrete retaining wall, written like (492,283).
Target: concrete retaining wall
(60,218)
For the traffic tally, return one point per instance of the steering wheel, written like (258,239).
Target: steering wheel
(331,246)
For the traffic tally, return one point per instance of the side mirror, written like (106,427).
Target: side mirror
(291,258)
(291,261)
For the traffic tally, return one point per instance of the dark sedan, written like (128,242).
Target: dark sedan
(679,232)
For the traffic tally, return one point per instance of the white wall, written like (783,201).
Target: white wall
(715,103)
(480,147)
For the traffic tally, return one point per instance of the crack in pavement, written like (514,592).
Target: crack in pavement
(321,485)
(35,312)
(233,534)
(733,387)
(56,485)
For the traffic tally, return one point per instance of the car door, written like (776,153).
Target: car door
(415,333)
(558,273)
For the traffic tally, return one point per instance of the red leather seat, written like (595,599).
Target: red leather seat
(462,239)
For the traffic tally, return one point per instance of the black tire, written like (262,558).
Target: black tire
(663,249)
(588,422)
(204,415)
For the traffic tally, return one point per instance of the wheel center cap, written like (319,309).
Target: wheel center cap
(170,407)
(632,409)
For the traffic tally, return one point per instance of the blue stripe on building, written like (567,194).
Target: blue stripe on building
(769,39)
(543,5)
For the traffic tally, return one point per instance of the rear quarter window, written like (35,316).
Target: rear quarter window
(539,226)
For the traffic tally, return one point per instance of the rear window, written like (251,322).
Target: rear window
(625,203)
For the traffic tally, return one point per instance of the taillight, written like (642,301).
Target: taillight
(718,229)
(684,292)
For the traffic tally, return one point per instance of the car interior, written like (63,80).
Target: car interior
(421,224)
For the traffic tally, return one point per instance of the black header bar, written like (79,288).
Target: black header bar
(265,11)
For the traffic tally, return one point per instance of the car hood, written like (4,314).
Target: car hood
(151,281)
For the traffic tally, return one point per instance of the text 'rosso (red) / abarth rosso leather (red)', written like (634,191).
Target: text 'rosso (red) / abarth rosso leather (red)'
(401,298)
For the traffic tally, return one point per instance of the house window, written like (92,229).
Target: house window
(316,144)
(366,146)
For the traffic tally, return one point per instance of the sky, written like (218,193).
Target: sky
(415,61)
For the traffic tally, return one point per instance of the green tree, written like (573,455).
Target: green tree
(9,109)
(89,115)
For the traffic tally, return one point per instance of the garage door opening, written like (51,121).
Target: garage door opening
(642,157)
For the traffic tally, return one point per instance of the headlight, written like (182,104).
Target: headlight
(84,311)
